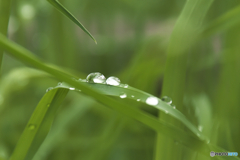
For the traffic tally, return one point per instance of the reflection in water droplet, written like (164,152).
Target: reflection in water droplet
(114,81)
(71,88)
(174,107)
(200,128)
(31,126)
(50,88)
(96,78)
(138,99)
(123,95)
(167,99)
(152,101)
(60,83)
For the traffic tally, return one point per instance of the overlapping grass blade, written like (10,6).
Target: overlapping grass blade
(38,125)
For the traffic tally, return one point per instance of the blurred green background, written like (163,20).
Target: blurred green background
(132,42)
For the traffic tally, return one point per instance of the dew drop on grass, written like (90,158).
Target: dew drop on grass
(50,88)
(60,83)
(138,100)
(173,106)
(96,78)
(166,112)
(167,99)
(152,101)
(200,128)
(114,81)
(71,88)
(31,126)
(123,95)
(132,96)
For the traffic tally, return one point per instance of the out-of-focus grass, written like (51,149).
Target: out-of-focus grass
(132,44)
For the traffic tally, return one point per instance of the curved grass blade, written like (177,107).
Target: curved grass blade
(64,11)
(140,96)
(182,137)
(39,125)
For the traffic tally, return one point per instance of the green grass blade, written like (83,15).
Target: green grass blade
(223,23)
(5,7)
(64,11)
(39,125)
(185,34)
(141,96)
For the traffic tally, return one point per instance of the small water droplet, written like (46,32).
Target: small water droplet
(173,106)
(48,105)
(96,78)
(114,81)
(132,96)
(138,99)
(71,88)
(152,101)
(31,126)
(166,112)
(200,128)
(50,88)
(167,99)
(60,83)
(123,95)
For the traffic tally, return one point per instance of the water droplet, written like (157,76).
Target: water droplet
(132,96)
(200,128)
(50,88)
(138,99)
(48,105)
(125,86)
(71,88)
(114,81)
(173,106)
(152,101)
(60,83)
(31,126)
(166,112)
(123,95)
(167,99)
(96,78)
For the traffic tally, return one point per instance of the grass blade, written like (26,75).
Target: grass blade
(64,11)
(39,125)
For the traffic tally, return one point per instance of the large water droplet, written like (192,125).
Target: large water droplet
(152,101)
(96,78)
(123,95)
(114,81)
(167,99)
(60,83)
(31,126)
(50,88)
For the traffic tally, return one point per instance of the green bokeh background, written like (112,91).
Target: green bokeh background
(132,44)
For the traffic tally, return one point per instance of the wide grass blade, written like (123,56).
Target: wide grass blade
(39,125)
